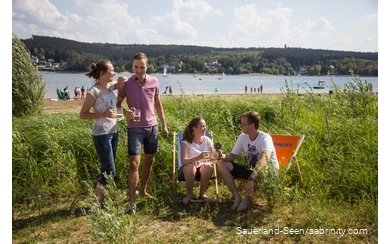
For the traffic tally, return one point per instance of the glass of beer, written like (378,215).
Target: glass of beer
(207,155)
(119,113)
(214,156)
(137,115)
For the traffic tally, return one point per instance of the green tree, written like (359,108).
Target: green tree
(28,89)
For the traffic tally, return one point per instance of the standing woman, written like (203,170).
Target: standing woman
(102,99)
(194,144)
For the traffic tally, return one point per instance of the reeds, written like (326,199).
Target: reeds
(53,155)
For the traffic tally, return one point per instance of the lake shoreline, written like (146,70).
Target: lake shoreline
(74,106)
(192,74)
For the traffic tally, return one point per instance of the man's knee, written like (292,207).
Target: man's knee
(223,166)
(134,163)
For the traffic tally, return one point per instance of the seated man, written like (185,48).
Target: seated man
(259,150)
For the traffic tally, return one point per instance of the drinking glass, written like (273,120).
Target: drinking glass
(137,115)
(207,156)
(119,113)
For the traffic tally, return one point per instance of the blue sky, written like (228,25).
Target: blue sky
(318,24)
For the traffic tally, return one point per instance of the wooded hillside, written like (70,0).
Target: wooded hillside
(77,56)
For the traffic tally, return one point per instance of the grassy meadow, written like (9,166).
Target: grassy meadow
(55,169)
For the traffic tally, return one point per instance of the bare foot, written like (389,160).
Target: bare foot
(145,194)
(206,199)
(187,199)
(244,204)
(236,203)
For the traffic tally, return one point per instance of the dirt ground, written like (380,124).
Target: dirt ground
(62,106)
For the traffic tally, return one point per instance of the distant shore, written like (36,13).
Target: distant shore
(74,106)
(126,73)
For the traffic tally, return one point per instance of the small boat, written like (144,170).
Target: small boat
(54,99)
(200,78)
(216,90)
(320,85)
(165,72)
(219,78)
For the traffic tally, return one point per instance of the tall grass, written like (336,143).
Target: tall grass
(53,155)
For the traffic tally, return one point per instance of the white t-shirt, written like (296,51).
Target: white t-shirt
(195,149)
(254,149)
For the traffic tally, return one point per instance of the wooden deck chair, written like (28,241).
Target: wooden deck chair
(286,147)
(177,137)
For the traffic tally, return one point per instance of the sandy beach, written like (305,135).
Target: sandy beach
(74,106)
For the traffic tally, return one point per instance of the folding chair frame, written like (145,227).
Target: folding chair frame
(175,178)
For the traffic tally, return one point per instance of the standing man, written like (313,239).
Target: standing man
(141,92)
(261,89)
(259,150)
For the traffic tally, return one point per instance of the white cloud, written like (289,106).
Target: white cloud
(250,25)
(171,27)
(373,16)
(192,9)
(38,13)
(321,24)
(218,12)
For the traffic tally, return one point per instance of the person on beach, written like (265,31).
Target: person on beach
(141,92)
(194,144)
(370,90)
(58,92)
(102,99)
(166,89)
(261,89)
(82,93)
(246,89)
(259,150)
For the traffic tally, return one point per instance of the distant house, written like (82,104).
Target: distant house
(302,71)
(50,60)
(34,59)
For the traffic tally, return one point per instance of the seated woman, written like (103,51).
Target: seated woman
(193,153)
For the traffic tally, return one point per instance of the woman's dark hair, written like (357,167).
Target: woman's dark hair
(188,131)
(102,65)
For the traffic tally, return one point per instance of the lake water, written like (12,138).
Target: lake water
(206,84)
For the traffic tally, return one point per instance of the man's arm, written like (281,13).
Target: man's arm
(160,113)
(228,157)
(119,101)
(265,157)
(120,83)
(250,185)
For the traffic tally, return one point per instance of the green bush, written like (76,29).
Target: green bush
(28,88)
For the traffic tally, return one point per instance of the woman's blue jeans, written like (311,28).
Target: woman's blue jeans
(106,146)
